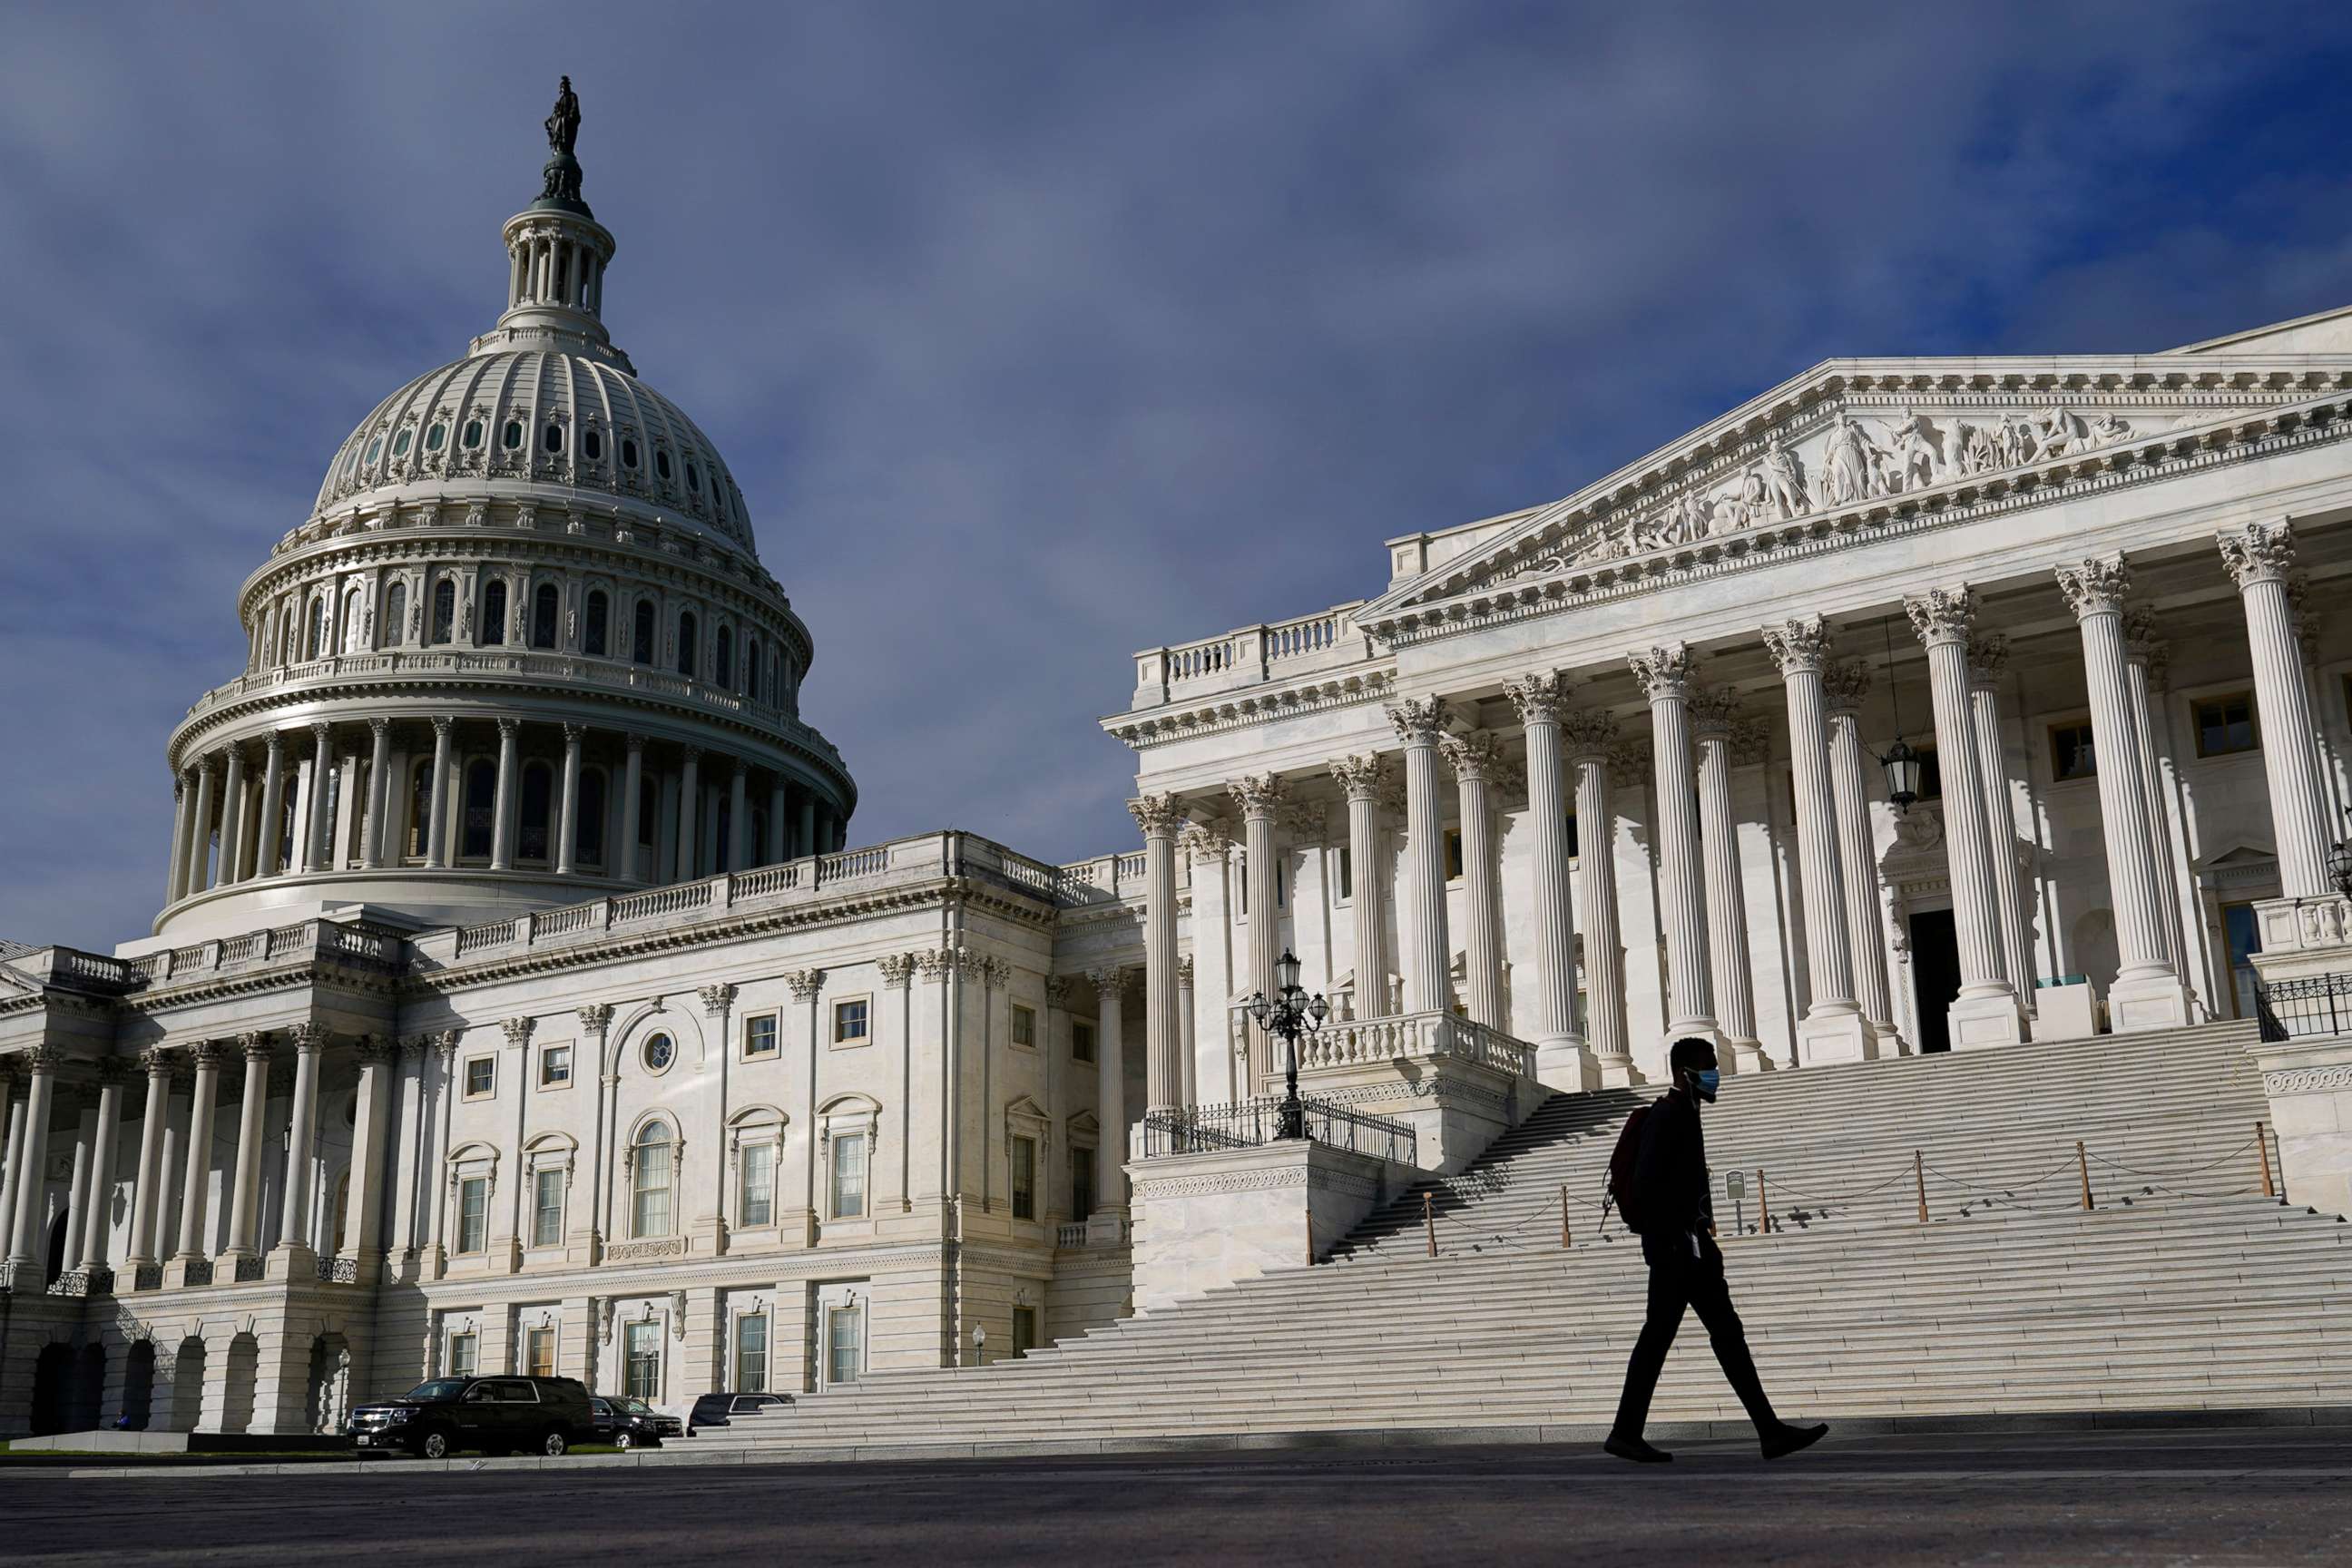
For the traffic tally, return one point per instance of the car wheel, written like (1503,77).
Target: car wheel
(554,1445)
(434,1445)
(624,1441)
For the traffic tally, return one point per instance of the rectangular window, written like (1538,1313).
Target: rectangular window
(554,1065)
(1025,1330)
(2225,725)
(641,1361)
(1347,873)
(462,1348)
(760,1035)
(751,1354)
(1025,1026)
(848,1176)
(1931,774)
(538,1358)
(547,1207)
(474,1214)
(1453,854)
(758,1205)
(481,1077)
(844,1345)
(2071,754)
(1024,1178)
(849,1022)
(1082,1182)
(1082,1039)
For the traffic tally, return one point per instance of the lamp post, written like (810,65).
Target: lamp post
(2339,862)
(1290,1013)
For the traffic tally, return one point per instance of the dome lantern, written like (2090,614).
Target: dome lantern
(557,252)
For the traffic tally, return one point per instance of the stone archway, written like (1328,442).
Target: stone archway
(328,1386)
(86,1390)
(139,1386)
(188,1384)
(243,1370)
(52,1371)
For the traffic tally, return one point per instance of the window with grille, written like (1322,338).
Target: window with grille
(547,1208)
(758,1205)
(473,1215)
(649,1182)
(2072,754)
(1025,1026)
(760,1035)
(540,1359)
(844,1344)
(2225,725)
(751,1354)
(463,1349)
(1024,1178)
(848,1176)
(640,1360)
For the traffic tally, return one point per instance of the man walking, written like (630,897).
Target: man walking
(1668,1202)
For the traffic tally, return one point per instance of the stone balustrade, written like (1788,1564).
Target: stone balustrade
(1413,1036)
(1250,655)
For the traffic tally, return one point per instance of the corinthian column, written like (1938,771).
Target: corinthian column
(1666,675)
(1833,1029)
(1163,1022)
(1987,656)
(2147,992)
(1985,1012)
(504,794)
(200,840)
(232,816)
(25,1235)
(245,1187)
(316,820)
(301,1138)
(196,1183)
(1361,776)
(2259,558)
(1563,1060)
(184,817)
(374,827)
(1589,737)
(436,831)
(270,830)
(99,1202)
(1473,758)
(1845,685)
(2145,657)
(1426,955)
(1715,715)
(147,1183)
(1257,797)
(1110,1102)
(567,821)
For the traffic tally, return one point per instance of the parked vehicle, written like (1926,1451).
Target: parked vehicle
(493,1415)
(627,1423)
(718,1409)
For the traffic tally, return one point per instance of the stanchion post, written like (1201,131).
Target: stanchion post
(2083,1163)
(1429,1221)
(2262,1142)
(1919,1180)
(1763,1205)
(1563,1217)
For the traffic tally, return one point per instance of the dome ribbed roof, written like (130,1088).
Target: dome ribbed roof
(575,419)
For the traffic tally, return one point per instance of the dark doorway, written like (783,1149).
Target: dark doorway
(1935,975)
(52,1369)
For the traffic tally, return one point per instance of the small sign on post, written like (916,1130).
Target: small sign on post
(1735,1187)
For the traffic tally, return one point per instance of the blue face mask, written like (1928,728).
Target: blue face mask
(1706,1083)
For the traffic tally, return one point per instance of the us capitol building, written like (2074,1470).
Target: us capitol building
(518,1000)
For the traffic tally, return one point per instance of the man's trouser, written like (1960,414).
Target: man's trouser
(1680,1279)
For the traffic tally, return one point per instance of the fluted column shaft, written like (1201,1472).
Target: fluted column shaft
(12,1141)
(319,827)
(244,1190)
(633,784)
(1865,927)
(351,814)
(1942,618)
(1257,796)
(690,792)
(195,1186)
(270,828)
(1426,950)
(2259,558)
(146,1195)
(232,817)
(567,827)
(2143,658)
(77,1211)
(364,1223)
(1164,1031)
(302,1136)
(1726,902)
(776,850)
(98,1196)
(1359,777)
(413,1148)
(739,820)
(183,812)
(1665,674)
(1588,737)
(32,1160)
(502,807)
(1473,758)
(2095,590)
(200,839)
(1986,655)
(1186,1053)
(1110,1090)
(1832,1027)
(436,832)
(1539,698)
(374,826)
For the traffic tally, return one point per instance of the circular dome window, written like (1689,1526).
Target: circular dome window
(435,436)
(400,445)
(473,435)
(592,445)
(512,435)
(660,1052)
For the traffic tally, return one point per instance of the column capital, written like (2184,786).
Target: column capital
(370,1049)
(273,745)
(1057,991)
(1472,756)
(322,735)
(1665,671)
(156,1061)
(1942,616)
(509,729)
(1589,733)
(1184,970)
(596,1018)
(1799,646)
(310,1037)
(1204,843)
(2097,586)
(442,726)
(1988,657)
(1359,775)
(2258,552)
(1539,698)
(805,983)
(1418,720)
(1107,983)
(519,1031)
(1715,713)
(574,733)
(1157,815)
(635,741)
(445,1043)
(206,1053)
(379,727)
(256,1046)
(41,1060)
(898,973)
(689,755)
(1751,741)
(1846,682)
(717,999)
(111,1072)
(1257,794)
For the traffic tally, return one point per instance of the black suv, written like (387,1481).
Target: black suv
(627,1423)
(495,1415)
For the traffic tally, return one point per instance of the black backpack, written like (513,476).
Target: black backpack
(1622,1162)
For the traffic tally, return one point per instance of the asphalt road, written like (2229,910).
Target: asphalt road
(2155,1498)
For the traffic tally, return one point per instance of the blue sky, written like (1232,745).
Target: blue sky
(1038,333)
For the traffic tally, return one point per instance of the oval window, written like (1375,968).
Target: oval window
(592,445)
(628,453)
(553,439)
(694,479)
(661,463)
(473,434)
(434,436)
(659,1052)
(400,445)
(376,450)
(512,435)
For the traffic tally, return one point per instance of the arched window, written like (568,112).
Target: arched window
(400,445)
(650,1161)
(494,614)
(318,629)
(395,615)
(688,633)
(481,807)
(544,604)
(420,808)
(751,668)
(354,622)
(286,644)
(473,435)
(445,610)
(641,646)
(435,436)
(538,798)
(591,627)
(511,436)
(722,661)
(588,837)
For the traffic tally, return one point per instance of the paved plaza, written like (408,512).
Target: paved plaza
(2151,1498)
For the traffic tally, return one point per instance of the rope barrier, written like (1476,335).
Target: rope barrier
(2193,1169)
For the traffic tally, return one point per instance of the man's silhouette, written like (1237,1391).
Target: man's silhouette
(1668,1203)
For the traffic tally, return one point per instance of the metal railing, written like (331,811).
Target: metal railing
(2315,1006)
(249,1269)
(340,1270)
(1253,1123)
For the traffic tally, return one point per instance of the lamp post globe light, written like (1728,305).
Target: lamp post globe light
(2339,863)
(1290,1013)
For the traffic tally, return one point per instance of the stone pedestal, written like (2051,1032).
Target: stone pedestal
(1825,1038)
(2069,1012)
(291,1261)
(2309,1083)
(1207,1220)
(1567,1065)
(1995,1020)
(2152,1001)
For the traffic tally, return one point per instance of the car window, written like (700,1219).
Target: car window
(481,1393)
(436,1389)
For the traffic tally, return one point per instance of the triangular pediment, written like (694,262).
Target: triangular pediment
(1854,443)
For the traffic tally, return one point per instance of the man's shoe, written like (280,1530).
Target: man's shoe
(1785,1439)
(1635,1449)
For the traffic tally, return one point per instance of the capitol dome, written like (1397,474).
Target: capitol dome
(521,652)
